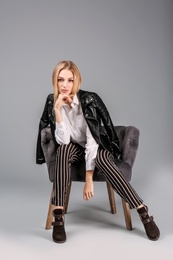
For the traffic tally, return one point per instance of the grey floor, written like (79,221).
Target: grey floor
(92,231)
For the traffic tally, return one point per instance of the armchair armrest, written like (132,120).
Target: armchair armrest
(49,150)
(129,142)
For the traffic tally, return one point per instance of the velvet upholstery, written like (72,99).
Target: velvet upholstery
(129,141)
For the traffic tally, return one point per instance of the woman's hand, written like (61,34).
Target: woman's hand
(61,100)
(88,191)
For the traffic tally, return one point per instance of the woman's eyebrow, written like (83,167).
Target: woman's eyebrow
(63,78)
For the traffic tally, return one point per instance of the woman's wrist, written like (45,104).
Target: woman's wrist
(89,175)
(58,115)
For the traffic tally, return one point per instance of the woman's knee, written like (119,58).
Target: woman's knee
(64,149)
(102,157)
(63,146)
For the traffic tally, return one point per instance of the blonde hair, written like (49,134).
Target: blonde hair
(69,65)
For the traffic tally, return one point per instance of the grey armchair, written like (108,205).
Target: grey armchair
(129,140)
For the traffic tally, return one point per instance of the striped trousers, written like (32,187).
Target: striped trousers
(70,153)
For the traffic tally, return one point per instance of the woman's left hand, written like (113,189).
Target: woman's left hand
(88,191)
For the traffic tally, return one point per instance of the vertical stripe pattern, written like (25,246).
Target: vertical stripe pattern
(67,154)
(105,163)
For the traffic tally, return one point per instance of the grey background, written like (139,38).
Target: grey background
(124,51)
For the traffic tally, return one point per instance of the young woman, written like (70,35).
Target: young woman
(75,117)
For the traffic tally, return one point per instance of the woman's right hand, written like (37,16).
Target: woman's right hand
(61,100)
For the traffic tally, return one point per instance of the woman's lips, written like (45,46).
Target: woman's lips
(64,91)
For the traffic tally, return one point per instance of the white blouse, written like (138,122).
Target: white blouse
(74,128)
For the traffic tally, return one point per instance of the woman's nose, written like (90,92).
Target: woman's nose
(64,83)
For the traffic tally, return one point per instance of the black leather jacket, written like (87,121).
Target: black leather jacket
(97,118)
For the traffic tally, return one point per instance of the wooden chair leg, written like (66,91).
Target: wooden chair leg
(127,215)
(67,198)
(111,198)
(50,210)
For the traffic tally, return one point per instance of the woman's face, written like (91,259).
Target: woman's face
(65,82)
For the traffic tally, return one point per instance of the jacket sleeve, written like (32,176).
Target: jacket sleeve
(44,122)
(107,123)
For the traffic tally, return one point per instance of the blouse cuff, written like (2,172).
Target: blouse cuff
(90,165)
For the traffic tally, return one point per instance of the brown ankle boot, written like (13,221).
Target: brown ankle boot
(58,235)
(150,226)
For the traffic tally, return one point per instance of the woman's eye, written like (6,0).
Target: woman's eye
(60,80)
(70,80)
